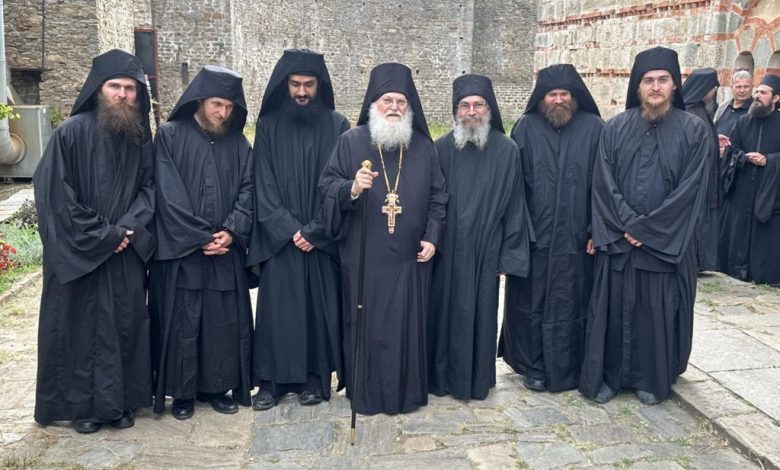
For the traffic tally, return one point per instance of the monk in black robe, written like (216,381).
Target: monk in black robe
(199,294)
(297,343)
(544,319)
(404,211)
(487,232)
(699,92)
(649,185)
(94,194)
(750,226)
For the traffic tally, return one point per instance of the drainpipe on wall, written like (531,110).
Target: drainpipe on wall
(11,146)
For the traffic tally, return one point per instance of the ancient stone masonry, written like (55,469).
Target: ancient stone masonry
(601,38)
(437,39)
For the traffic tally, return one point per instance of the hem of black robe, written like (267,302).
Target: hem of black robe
(392,412)
(45,419)
(477,393)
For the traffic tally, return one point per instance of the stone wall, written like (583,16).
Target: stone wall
(602,37)
(434,38)
(115,26)
(23,33)
(190,35)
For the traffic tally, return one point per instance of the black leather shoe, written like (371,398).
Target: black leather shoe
(126,421)
(85,427)
(605,394)
(310,397)
(647,398)
(220,402)
(537,385)
(183,409)
(263,400)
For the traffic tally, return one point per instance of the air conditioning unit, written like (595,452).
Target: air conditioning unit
(34,128)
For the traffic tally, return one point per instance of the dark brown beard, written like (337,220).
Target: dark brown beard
(758,110)
(656,113)
(121,119)
(559,115)
(215,130)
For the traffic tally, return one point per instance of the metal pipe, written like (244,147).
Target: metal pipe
(11,146)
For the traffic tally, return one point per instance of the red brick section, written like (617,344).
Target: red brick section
(655,10)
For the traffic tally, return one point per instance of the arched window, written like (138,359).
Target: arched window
(773,66)
(744,61)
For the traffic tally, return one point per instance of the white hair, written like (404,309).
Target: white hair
(740,74)
(387,134)
(464,133)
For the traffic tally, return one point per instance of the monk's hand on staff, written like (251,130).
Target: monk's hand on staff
(633,241)
(218,246)
(589,247)
(125,241)
(364,179)
(427,252)
(756,158)
(301,242)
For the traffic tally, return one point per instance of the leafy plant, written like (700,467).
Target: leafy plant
(7,111)
(56,117)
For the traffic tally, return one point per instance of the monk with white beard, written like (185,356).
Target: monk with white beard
(405,205)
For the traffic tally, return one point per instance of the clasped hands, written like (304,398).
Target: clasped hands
(220,244)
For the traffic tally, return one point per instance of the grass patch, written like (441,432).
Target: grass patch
(708,288)
(14,275)
(768,288)
(18,461)
(249,132)
(625,463)
(521,464)
(438,129)
(683,460)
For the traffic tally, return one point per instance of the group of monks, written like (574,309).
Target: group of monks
(378,251)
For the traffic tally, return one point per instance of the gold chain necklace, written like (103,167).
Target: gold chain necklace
(392,205)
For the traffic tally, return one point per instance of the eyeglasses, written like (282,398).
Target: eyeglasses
(478,106)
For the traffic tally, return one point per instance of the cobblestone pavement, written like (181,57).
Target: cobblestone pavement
(513,428)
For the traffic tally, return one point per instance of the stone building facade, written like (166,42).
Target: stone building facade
(50,43)
(49,48)
(602,37)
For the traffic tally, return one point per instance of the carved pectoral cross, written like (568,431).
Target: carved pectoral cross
(391,208)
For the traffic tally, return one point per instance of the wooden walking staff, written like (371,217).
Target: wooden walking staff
(360,310)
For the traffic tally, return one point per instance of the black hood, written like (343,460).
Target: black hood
(698,84)
(657,58)
(772,81)
(561,77)
(213,82)
(114,64)
(479,85)
(394,78)
(297,61)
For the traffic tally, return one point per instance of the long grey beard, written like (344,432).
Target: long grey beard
(465,134)
(389,135)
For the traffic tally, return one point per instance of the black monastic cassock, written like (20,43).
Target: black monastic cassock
(750,226)
(202,315)
(486,233)
(650,181)
(392,375)
(298,330)
(544,317)
(90,188)
(696,86)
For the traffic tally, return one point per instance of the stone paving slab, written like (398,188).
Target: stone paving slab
(760,386)
(732,349)
(14,202)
